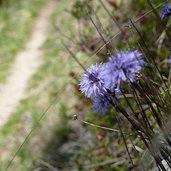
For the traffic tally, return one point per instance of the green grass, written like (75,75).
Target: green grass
(50,78)
(15,25)
(43,87)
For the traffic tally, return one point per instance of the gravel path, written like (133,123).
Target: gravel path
(26,63)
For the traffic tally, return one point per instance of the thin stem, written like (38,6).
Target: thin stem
(124,140)
(114,20)
(150,55)
(71,39)
(146,121)
(32,130)
(98,126)
(160,23)
(104,40)
(73,56)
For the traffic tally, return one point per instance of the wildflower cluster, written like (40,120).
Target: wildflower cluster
(102,78)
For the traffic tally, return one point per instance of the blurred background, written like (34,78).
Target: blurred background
(39,92)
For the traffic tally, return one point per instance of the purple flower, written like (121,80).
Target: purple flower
(165,11)
(121,67)
(101,104)
(92,84)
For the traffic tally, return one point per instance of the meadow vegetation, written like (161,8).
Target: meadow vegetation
(134,133)
(16,20)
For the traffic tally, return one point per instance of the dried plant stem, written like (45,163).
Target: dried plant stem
(73,56)
(114,20)
(160,23)
(142,92)
(124,140)
(143,114)
(151,56)
(139,131)
(107,45)
(98,126)
(71,39)
(33,129)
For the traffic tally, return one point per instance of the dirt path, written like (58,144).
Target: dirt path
(26,64)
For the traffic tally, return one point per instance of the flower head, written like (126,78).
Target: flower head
(101,104)
(122,67)
(92,84)
(165,11)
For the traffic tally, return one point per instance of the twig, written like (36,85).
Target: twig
(64,35)
(75,117)
(124,140)
(73,56)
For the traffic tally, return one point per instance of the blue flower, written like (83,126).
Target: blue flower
(122,67)
(165,11)
(92,84)
(101,104)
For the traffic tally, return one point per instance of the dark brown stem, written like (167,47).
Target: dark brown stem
(114,20)
(73,56)
(151,56)
(160,23)
(124,140)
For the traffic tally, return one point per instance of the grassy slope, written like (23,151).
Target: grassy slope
(45,85)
